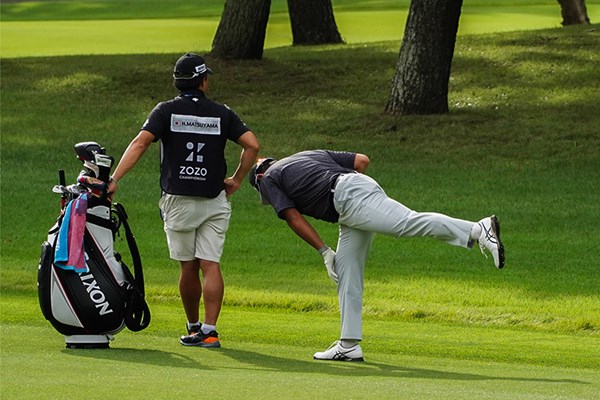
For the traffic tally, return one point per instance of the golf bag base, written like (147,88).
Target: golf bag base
(88,341)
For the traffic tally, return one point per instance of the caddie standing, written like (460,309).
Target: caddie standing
(193,131)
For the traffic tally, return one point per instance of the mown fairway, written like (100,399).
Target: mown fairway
(47,28)
(521,140)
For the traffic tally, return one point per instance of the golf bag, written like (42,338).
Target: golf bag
(85,289)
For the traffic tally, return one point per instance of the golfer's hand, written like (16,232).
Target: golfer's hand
(329,259)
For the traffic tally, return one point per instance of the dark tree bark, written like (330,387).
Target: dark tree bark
(420,84)
(573,12)
(313,22)
(242,29)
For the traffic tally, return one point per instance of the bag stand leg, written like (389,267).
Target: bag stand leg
(88,341)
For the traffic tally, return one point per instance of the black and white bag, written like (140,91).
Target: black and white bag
(94,299)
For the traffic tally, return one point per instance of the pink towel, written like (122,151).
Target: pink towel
(76,232)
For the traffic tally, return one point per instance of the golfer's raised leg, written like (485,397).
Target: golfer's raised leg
(366,206)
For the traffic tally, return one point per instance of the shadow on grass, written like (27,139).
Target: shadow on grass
(260,361)
(368,368)
(140,356)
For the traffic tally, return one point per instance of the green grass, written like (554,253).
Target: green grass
(50,28)
(168,9)
(521,140)
(404,360)
(52,10)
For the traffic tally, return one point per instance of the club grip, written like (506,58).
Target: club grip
(61,177)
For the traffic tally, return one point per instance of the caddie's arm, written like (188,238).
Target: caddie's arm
(361,162)
(131,156)
(250,148)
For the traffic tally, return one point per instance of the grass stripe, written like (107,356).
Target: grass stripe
(141,36)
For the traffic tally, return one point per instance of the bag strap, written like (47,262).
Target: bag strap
(103,222)
(133,248)
(137,312)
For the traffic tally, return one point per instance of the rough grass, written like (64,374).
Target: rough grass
(508,146)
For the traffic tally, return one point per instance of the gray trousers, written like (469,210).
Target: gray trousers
(364,210)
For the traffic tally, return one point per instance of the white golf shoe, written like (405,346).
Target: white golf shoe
(490,239)
(336,352)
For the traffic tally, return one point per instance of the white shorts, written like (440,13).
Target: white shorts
(195,226)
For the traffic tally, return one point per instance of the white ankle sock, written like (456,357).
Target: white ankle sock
(192,324)
(208,328)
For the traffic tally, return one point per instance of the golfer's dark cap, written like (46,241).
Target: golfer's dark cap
(259,168)
(190,66)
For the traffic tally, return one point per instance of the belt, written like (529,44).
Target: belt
(334,183)
(332,209)
(336,180)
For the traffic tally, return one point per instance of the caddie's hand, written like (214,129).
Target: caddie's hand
(329,259)
(112,188)
(231,186)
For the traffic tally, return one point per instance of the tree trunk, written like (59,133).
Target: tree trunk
(313,22)
(573,12)
(242,29)
(420,85)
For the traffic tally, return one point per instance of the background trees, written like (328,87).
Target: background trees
(420,84)
(243,25)
(313,22)
(422,73)
(242,29)
(573,12)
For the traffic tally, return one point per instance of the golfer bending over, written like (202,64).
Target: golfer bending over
(331,186)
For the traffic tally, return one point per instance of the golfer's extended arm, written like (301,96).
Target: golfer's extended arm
(132,154)
(361,162)
(302,228)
